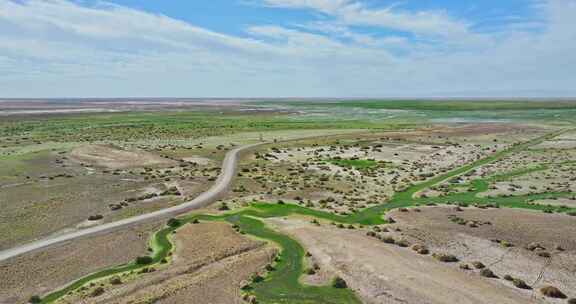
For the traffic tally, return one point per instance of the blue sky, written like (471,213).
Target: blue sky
(287,48)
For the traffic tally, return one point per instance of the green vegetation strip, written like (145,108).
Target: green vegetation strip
(282,284)
(354,163)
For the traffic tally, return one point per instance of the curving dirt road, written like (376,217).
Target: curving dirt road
(220,186)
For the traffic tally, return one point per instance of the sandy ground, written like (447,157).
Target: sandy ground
(519,228)
(210,265)
(38,273)
(113,158)
(382,273)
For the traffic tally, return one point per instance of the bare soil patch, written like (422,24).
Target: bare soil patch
(210,264)
(535,247)
(384,273)
(45,271)
(115,158)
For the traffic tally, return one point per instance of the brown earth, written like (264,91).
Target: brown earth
(515,227)
(210,264)
(114,158)
(41,272)
(384,273)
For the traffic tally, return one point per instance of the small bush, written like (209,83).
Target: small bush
(256,278)
(508,277)
(572,301)
(487,273)
(97,292)
(446,258)
(35,299)
(173,222)
(144,260)
(403,243)
(421,249)
(552,292)
(115,281)
(520,284)
(96,217)
(478,265)
(339,283)
(388,240)
(544,254)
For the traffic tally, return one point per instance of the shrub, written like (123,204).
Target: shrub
(115,281)
(572,301)
(339,283)
(173,222)
(35,299)
(544,254)
(310,271)
(487,273)
(478,265)
(403,243)
(508,277)
(256,278)
(446,258)
(464,266)
(388,240)
(144,260)
(96,217)
(97,292)
(520,284)
(421,249)
(552,292)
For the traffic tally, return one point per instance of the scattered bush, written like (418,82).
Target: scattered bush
(403,243)
(552,292)
(115,280)
(144,260)
(465,266)
(35,299)
(520,284)
(487,273)
(339,283)
(256,278)
(544,254)
(446,258)
(173,222)
(478,265)
(97,292)
(96,217)
(421,249)
(388,240)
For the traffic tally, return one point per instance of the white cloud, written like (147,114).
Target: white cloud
(63,48)
(355,13)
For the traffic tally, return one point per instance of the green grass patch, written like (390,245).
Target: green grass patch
(359,164)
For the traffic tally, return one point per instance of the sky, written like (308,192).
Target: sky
(287,48)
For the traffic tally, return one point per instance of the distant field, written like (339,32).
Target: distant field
(449,105)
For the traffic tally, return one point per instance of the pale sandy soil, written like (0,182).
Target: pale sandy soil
(432,227)
(382,273)
(210,265)
(114,158)
(45,271)
(198,160)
